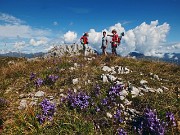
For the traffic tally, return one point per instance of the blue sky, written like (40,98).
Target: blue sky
(37,22)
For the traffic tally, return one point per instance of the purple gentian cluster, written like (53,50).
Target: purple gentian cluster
(117,116)
(49,80)
(78,100)
(48,110)
(114,92)
(149,123)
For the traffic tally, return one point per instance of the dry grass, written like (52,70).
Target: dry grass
(15,78)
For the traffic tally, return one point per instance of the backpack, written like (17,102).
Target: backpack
(119,40)
(120,37)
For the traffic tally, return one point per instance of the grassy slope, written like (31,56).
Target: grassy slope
(14,80)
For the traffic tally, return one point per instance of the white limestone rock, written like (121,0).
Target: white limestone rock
(156,77)
(164,88)
(71,50)
(104,78)
(75,81)
(127,102)
(124,93)
(122,97)
(135,92)
(143,82)
(106,68)
(122,70)
(75,65)
(109,115)
(119,82)
(111,77)
(63,95)
(159,90)
(143,89)
(39,94)
(151,90)
(23,104)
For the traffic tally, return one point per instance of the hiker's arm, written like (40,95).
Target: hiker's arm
(106,42)
(110,35)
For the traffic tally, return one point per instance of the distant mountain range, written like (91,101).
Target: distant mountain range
(26,55)
(168,57)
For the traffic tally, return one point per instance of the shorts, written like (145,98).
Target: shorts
(103,47)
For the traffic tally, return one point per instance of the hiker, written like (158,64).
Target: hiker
(84,42)
(104,43)
(114,41)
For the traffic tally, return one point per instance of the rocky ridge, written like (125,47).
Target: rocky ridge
(71,50)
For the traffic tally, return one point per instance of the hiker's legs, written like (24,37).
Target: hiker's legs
(85,49)
(104,50)
(114,50)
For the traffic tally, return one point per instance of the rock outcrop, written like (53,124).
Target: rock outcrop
(71,50)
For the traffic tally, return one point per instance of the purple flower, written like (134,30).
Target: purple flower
(78,100)
(32,76)
(117,116)
(97,90)
(149,123)
(121,131)
(170,118)
(114,92)
(38,82)
(97,109)
(48,110)
(53,78)
(41,118)
(104,101)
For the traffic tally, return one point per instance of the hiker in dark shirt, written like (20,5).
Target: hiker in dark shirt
(104,43)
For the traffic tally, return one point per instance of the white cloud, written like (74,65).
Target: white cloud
(145,38)
(94,37)
(24,31)
(176,46)
(170,48)
(19,45)
(38,42)
(10,19)
(13,27)
(149,37)
(55,23)
(118,28)
(70,37)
